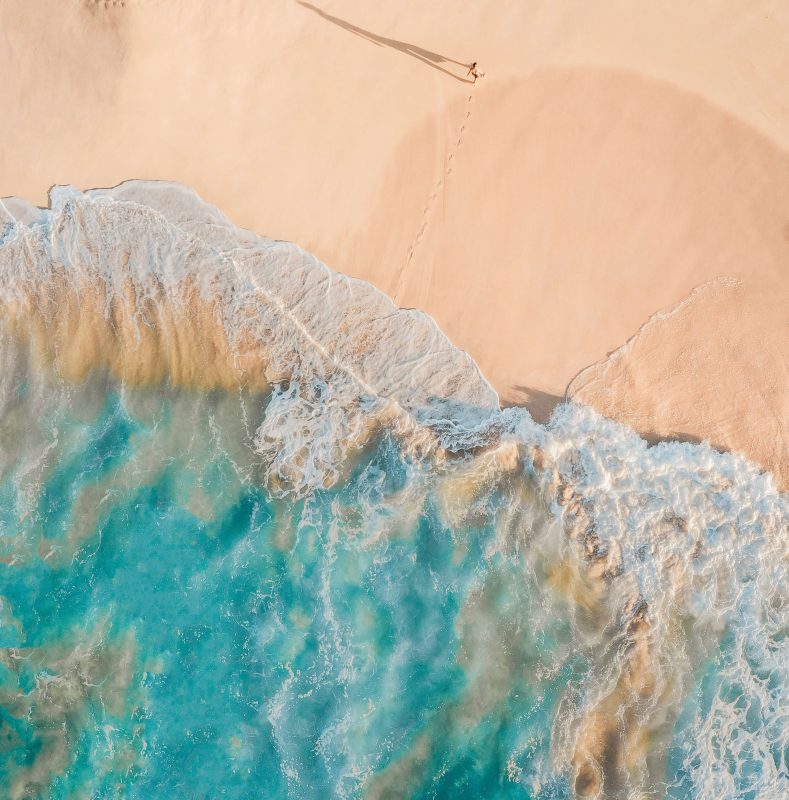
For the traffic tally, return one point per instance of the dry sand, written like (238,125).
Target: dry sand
(614,159)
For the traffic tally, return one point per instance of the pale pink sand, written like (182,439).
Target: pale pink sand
(614,159)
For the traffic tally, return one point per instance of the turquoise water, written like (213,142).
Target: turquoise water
(367,580)
(267,649)
(171,631)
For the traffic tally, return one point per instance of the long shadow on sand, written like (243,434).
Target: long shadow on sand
(428,57)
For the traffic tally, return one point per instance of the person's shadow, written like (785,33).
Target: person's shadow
(425,56)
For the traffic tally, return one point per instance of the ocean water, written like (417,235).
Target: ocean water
(264,535)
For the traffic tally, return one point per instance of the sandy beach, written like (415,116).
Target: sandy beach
(605,215)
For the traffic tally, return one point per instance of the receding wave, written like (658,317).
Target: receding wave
(230,474)
(150,283)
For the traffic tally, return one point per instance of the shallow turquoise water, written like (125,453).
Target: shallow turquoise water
(170,630)
(271,652)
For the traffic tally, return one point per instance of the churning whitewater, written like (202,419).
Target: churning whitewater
(264,534)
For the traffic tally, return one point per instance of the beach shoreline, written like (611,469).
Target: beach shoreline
(542,216)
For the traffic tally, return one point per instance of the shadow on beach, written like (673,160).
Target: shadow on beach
(428,57)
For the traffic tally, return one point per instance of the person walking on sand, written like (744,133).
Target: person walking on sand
(474,72)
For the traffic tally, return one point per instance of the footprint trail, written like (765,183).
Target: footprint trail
(430,204)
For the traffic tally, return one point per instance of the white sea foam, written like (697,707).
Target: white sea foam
(701,539)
